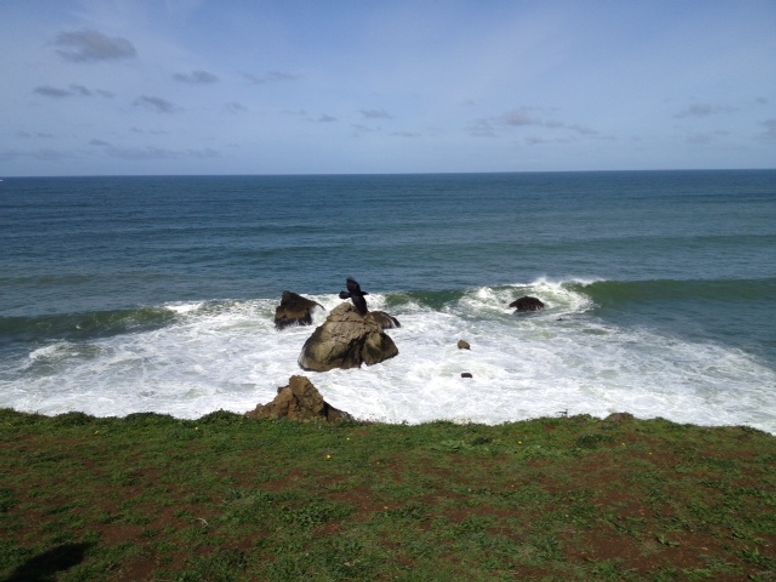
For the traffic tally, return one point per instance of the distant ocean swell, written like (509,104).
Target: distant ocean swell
(608,293)
(188,359)
(77,326)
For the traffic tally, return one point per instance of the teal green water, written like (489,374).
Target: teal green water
(90,266)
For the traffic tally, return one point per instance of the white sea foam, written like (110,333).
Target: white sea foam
(182,308)
(227,355)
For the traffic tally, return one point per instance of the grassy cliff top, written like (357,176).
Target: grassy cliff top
(227,498)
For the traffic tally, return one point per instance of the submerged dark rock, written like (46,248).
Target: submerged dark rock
(527,304)
(294,310)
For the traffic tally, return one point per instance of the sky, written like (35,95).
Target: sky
(126,87)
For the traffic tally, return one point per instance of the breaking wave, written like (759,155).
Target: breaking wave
(188,359)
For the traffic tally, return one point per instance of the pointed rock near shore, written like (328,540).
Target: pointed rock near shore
(347,339)
(299,401)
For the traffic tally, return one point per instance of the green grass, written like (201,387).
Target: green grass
(226,498)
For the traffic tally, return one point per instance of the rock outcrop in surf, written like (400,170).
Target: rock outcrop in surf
(294,309)
(347,339)
(384,320)
(527,304)
(300,401)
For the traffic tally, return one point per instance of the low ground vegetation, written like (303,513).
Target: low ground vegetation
(229,498)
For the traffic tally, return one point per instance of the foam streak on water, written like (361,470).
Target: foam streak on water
(227,355)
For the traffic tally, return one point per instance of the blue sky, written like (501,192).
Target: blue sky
(198,86)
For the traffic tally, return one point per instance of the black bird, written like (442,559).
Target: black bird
(356,295)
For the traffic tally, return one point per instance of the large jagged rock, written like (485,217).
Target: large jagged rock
(299,401)
(294,309)
(347,339)
(527,304)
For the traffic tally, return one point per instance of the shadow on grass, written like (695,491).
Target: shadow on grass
(45,566)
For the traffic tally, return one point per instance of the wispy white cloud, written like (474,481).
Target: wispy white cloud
(522,118)
(81,90)
(34,135)
(517,119)
(140,130)
(533,140)
(72,90)
(235,107)
(49,91)
(481,128)
(143,153)
(360,129)
(155,153)
(156,104)
(525,117)
(376,114)
(196,78)
(575,127)
(271,77)
(42,154)
(85,46)
(311,117)
(705,137)
(769,133)
(703,110)
(407,134)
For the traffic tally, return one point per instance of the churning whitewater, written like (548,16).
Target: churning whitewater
(189,359)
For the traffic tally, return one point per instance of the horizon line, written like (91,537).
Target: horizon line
(343,174)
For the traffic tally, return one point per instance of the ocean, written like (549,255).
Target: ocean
(130,294)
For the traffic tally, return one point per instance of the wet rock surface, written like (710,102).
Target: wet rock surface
(347,339)
(294,310)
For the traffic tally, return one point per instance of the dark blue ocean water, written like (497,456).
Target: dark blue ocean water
(689,256)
